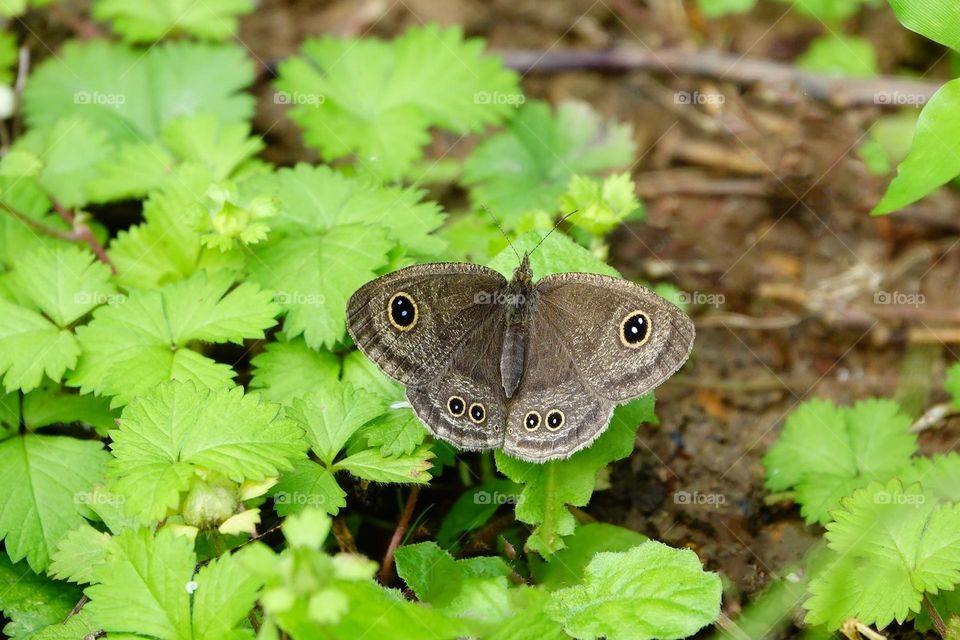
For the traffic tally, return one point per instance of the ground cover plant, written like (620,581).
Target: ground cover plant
(192,447)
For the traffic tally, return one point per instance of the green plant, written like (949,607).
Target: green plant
(184,420)
(892,536)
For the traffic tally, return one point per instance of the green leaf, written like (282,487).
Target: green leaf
(45,477)
(308,484)
(529,166)
(151,20)
(371,465)
(935,19)
(69,150)
(892,544)
(331,415)
(178,427)
(939,475)
(566,567)
(377,99)
(474,508)
(79,553)
(826,452)
(63,283)
(557,254)
(130,347)
(600,207)
(651,591)
(549,487)
(31,346)
(219,146)
(720,8)
(434,575)
(285,371)
(225,594)
(52,405)
(132,94)
(30,601)
(842,55)
(9,53)
(952,383)
(396,432)
(81,625)
(932,162)
(167,247)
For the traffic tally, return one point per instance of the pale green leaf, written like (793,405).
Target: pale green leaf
(149,20)
(369,464)
(285,371)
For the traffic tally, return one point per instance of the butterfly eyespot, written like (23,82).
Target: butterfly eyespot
(531,421)
(477,413)
(402,311)
(555,420)
(635,329)
(456,405)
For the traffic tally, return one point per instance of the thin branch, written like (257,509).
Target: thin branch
(386,570)
(36,225)
(82,232)
(938,622)
(344,538)
(838,91)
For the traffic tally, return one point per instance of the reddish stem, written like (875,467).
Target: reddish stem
(386,571)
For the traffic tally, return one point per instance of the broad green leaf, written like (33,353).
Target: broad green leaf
(939,475)
(719,8)
(825,452)
(932,161)
(840,55)
(219,146)
(549,487)
(935,19)
(435,577)
(331,415)
(397,432)
(892,544)
(45,478)
(530,165)
(178,427)
(377,100)
(474,508)
(371,465)
(132,94)
(52,405)
(286,371)
(650,591)
(131,346)
(600,207)
(566,567)
(225,594)
(29,601)
(308,484)
(150,20)
(557,254)
(31,346)
(79,553)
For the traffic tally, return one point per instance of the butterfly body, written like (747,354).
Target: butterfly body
(533,367)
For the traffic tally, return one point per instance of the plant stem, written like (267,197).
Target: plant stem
(344,538)
(386,571)
(82,232)
(938,622)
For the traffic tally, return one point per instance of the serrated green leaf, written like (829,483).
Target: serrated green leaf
(650,591)
(549,487)
(51,405)
(131,346)
(308,484)
(369,464)
(529,166)
(331,415)
(436,577)
(63,283)
(45,477)
(826,452)
(69,149)
(30,601)
(600,207)
(31,346)
(396,432)
(132,94)
(286,371)
(151,20)
(940,475)
(557,254)
(78,554)
(179,427)
(219,146)
(892,544)
(225,594)
(378,99)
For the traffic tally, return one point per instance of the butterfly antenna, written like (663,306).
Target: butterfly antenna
(519,259)
(559,222)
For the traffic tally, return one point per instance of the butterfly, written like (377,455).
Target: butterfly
(534,368)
